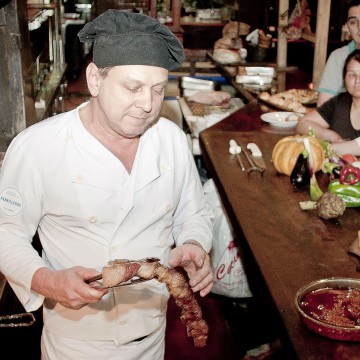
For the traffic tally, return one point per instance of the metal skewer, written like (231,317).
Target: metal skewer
(134,280)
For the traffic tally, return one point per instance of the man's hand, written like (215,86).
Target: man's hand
(67,286)
(196,262)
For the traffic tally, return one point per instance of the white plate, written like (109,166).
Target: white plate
(253,79)
(279,118)
(261,71)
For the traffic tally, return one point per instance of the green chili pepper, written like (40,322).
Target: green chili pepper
(349,193)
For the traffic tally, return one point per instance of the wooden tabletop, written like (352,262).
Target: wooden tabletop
(284,248)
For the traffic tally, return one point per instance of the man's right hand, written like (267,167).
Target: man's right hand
(68,286)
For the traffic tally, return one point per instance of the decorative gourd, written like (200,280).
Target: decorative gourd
(288,149)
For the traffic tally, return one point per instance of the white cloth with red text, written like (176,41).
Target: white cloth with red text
(229,275)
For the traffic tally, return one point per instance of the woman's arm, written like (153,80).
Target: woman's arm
(347,147)
(313,120)
(323,97)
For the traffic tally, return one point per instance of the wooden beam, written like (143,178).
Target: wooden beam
(153,11)
(176,14)
(281,59)
(321,39)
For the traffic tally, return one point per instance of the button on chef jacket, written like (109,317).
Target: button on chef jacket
(58,179)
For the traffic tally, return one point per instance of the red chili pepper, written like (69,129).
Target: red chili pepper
(349,175)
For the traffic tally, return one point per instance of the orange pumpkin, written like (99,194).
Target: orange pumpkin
(288,149)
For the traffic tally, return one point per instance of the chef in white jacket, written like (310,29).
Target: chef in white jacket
(107,180)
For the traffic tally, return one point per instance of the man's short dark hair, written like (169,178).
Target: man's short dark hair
(353,3)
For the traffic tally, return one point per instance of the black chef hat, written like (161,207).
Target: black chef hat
(124,38)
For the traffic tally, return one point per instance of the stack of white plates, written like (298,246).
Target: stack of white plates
(260,75)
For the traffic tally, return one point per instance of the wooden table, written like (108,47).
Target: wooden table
(284,248)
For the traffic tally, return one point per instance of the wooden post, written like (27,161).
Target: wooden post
(282,38)
(321,40)
(153,10)
(176,14)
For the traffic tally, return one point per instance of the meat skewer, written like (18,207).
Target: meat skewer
(191,314)
(120,271)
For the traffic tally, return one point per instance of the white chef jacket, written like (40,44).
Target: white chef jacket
(58,179)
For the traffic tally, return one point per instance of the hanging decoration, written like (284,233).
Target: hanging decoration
(299,21)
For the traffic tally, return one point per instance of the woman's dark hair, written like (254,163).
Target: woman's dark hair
(354,55)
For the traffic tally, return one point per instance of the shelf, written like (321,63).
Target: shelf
(202,23)
(246,95)
(49,90)
(287,77)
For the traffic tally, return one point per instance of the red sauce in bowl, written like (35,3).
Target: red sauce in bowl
(334,306)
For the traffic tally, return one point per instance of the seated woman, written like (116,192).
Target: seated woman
(338,119)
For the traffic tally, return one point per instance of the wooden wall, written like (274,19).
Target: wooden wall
(17,109)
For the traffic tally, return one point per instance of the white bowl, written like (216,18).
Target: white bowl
(280,118)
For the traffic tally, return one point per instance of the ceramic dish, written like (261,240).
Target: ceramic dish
(253,79)
(188,82)
(281,118)
(330,307)
(260,70)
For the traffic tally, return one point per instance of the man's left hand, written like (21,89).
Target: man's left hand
(196,262)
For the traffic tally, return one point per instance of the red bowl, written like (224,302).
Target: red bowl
(326,328)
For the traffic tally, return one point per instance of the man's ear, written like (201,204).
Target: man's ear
(93,78)
(347,30)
